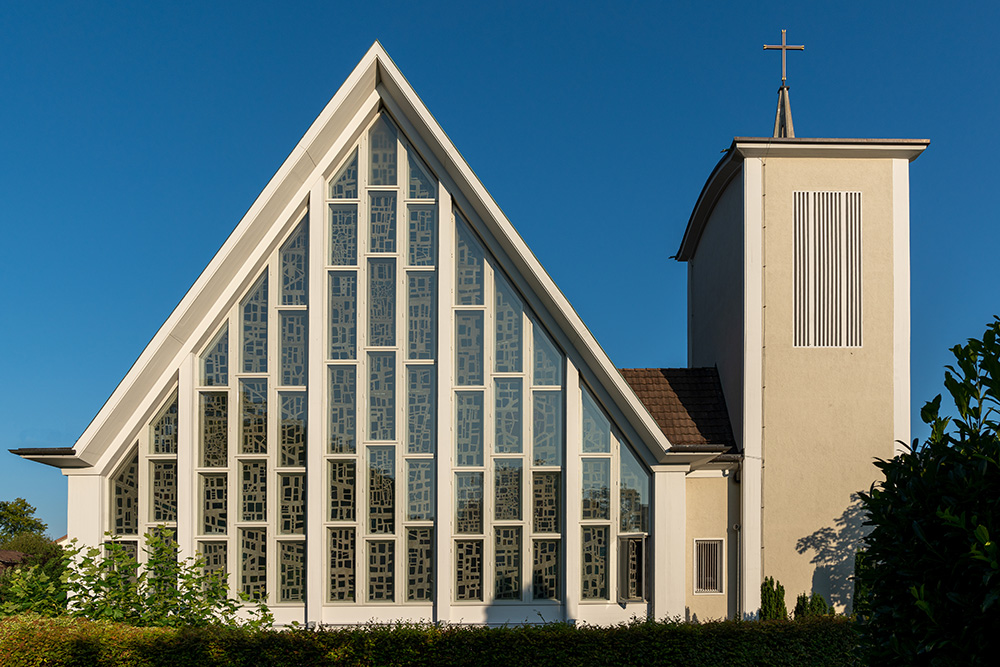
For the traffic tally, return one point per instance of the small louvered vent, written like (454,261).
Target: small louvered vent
(708,566)
(828,304)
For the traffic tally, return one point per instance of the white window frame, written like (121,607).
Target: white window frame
(722,566)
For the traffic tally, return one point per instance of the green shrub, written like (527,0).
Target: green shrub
(811,606)
(772,601)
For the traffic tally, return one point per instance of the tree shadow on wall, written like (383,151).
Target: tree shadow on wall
(834,548)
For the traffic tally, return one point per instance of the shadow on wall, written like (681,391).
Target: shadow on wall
(834,549)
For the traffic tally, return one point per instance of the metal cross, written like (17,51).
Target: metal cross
(784,48)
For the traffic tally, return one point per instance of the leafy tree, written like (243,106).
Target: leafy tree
(931,567)
(772,600)
(17,516)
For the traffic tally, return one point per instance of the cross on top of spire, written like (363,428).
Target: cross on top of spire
(784,49)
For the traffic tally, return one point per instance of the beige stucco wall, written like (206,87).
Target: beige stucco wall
(827,412)
(712,512)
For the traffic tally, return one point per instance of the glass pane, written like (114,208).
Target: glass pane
(382,302)
(382,228)
(253,562)
(381,489)
(253,482)
(596,427)
(294,266)
(345,184)
(509,416)
(632,555)
(469,502)
(596,482)
(214,433)
(292,505)
(214,555)
(548,428)
(382,145)
(548,360)
(468,265)
(420,490)
(292,568)
(342,490)
(382,396)
(469,347)
(507,490)
(468,569)
(293,429)
(421,314)
(507,554)
(422,186)
(163,432)
(341,564)
(421,409)
(545,579)
(253,416)
(509,318)
(595,563)
(546,501)
(343,395)
(343,315)
(215,362)
(634,509)
(381,564)
(214,493)
(423,234)
(468,428)
(163,479)
(420,564)
(343,234)
(125,515)
(254,314)
(293,347)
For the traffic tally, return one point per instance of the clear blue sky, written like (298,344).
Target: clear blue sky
(133,137)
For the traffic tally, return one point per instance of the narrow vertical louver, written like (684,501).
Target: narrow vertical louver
(708,566)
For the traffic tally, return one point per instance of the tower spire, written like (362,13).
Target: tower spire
(783,126)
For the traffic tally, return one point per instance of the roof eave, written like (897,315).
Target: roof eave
(57,457)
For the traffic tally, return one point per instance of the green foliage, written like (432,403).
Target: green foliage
(811,606)
(24,589)
(40,551)
(862,591)
(772,601)
(17,516)
(933,564)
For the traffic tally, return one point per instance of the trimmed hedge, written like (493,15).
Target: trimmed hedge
(36,641)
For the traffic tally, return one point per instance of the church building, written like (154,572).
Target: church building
(375,404)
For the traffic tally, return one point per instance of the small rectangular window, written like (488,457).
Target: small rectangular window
(632,568)
(708,561)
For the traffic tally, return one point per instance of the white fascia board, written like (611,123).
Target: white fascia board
(908,149)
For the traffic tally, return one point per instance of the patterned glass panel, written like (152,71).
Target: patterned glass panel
(596,427)
(295,267)
(214,430)
(468,265)
(292,504)
(214,493)
(469,502)
(421,409)
(596,480)
(468,428)
(548,428)
(126,498)
(343,315)
(382,143)
(293,429)
(507,585)
(548,360)
(294,325)
(214,554)
(423,234)
(343,234)
(254,313)
(546,502)
(253,562)
(595,562)
(382,396)
(292,570)
(341,564)
(545,576)
(343,495)
(163,433)
(468,569)
(507,490)
(634,498)
(509,320)
(253,411)
(382,302)
(345,184)
(421,314)
(509,418)
(420,490)
(343,398)
(420,564)
(253,483)
(381,565)
(632,568)
(215,361)
(382,228)
(381,489)
(422,186)
(163,479)
(469,347)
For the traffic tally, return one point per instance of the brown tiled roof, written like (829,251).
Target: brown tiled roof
(8,557)
(687,403)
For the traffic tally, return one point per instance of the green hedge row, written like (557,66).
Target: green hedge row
(32,640)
